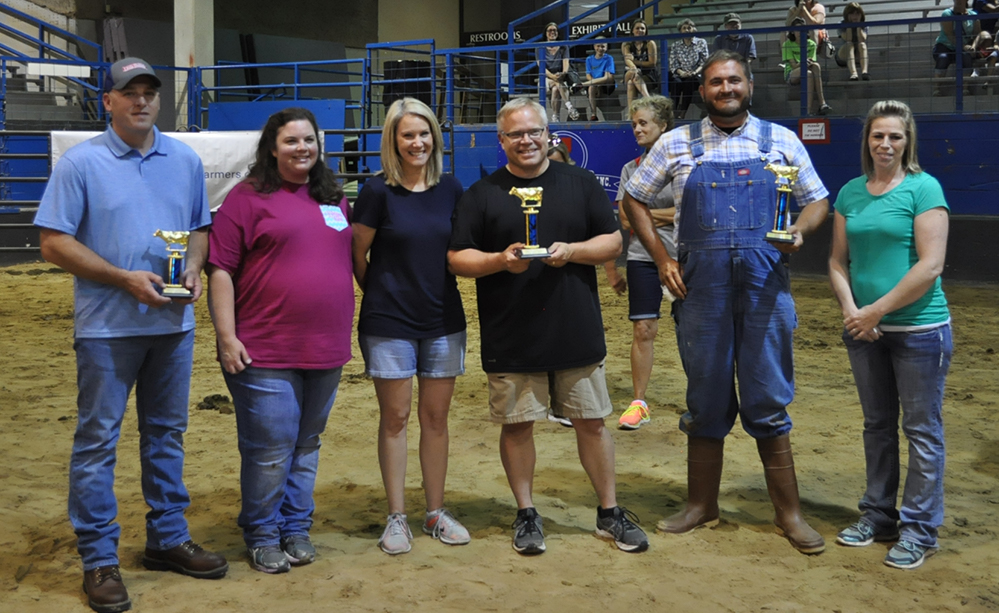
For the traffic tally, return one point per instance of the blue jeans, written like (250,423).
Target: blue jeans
(280,414)
(160,369)
(907,369)
(736,323)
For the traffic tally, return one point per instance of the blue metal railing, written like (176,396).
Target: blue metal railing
(295,89)
(39,41)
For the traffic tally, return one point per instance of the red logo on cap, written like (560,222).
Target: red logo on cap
(132,66)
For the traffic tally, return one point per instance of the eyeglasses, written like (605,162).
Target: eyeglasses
(550,30)
(535,134)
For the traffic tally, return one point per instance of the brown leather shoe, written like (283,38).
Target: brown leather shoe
(187,559)
(105,590)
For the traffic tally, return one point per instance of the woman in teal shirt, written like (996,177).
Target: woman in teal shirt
(889,243)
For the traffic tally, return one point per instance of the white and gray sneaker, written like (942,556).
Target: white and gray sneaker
(299,549)
(442,525)
(528,534)
(397,537)
(269,559)
(622,528)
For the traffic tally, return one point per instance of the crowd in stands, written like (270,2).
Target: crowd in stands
(641,73)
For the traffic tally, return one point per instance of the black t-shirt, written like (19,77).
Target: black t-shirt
(409,292)
(544,318)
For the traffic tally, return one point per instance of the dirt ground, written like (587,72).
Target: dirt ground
(741,565)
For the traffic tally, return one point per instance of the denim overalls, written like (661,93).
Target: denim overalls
(738,316)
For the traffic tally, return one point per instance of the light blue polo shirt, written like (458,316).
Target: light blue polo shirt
(112,199)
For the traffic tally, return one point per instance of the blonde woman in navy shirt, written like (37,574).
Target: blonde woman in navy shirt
(411,321)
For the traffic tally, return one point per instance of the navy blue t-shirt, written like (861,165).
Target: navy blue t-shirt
(409,292)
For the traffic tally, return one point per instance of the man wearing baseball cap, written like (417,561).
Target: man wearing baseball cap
(104,202)
(743,44)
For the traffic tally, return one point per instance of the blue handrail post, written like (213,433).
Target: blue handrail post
(959,53)
(803,72)
(433,74)
(449,85)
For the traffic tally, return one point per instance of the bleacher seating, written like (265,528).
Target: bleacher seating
(901,65)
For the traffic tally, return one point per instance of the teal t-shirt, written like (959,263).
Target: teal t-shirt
(882,243)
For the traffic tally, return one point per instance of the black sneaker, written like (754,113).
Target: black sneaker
(528,537)
(622,529)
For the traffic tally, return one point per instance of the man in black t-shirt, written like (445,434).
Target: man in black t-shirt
(542,333)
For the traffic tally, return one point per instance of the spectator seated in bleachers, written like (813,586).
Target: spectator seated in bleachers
(986,51)
(555,63)
(686,59)
(854,37)
(599,76)
(641,62)
(945,46)
(791,56)
(982,7)
(814,14)
(743,44)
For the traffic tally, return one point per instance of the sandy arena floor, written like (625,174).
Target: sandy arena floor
(741,565)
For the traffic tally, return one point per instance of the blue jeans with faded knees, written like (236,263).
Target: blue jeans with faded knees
(280,414)
(160,369)
(907,369)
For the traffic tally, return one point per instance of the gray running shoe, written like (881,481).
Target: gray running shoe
(862,534)
(396,538)
(906,555)
(622,529)
(442,525)
(269,559)
(299,549)
(528,536)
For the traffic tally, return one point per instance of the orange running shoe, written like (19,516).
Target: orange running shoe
(634,416)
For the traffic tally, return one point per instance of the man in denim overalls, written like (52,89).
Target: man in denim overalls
(735,317)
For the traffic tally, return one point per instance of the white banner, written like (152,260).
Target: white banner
(226,155)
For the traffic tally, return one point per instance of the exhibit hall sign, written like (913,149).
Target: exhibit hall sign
(226,156)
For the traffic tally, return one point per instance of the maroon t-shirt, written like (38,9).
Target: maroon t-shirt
(290,262)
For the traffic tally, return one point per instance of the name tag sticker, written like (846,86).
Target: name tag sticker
(333,217)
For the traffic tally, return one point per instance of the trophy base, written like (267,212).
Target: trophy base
(780,236)
(529,253)
(177,291)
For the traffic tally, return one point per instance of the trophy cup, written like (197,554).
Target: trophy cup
(530,201)
(176,244)
(786,176)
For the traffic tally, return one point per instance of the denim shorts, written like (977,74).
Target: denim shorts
(401,358)
(645,292)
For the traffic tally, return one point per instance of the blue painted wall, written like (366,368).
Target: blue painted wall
(962,152)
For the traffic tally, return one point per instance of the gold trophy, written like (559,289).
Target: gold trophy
(786,176)
(530,201)
(176,244)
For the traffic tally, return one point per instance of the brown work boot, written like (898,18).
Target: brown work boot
(187,559)
(778,466)
(105,590)
(704,468)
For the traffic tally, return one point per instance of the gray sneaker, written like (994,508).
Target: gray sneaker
(442,525)
(528,535)
(622,529)
(269,559)
(906,555)
(397,537)
(299,549)
(862,534)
